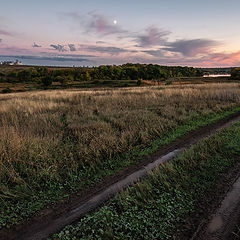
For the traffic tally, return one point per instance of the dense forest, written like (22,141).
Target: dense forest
(127,71)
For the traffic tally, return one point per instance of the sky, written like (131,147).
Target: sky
(194,33)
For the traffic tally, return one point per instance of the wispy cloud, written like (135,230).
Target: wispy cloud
(72,47)
(153,36)
(46,58)
(74,55)
(192,47)
(100,42)
(58,47)
(155,53)
(108,50)
(5,33)
(35,45)
(95,22)
(13,49)
(100,24)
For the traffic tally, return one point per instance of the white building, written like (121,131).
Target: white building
(10,63)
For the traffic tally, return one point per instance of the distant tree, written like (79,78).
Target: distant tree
(235,73)
(25,75)
(13,75)
(88,77)
(42,71)
(132,72)
(57,73)
(34,73)
(47,81)
(59,79)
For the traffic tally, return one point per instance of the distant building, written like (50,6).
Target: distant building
(17,62)
(10,63)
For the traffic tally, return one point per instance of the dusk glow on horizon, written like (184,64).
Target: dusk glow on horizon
(75,32)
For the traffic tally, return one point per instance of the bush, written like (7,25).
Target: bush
(126,84)
(168,83)
(13,75)
(25,75)
(37,80)
(139,82)
(6,90)
(61,79)
(47,81)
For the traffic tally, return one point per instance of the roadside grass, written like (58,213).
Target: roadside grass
(157,207)
(56,143)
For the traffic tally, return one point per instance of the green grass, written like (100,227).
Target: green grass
(34,198)
(157,207)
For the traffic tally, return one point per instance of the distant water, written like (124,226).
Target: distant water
(217,75)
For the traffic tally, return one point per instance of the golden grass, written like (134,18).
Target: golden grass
(50,132)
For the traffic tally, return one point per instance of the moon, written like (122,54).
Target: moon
(115,22)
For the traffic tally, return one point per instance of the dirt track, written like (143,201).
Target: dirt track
(223,214)
(223,221)
(50,221)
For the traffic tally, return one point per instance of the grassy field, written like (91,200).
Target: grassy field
(158,206)
(34,86)
(54,143)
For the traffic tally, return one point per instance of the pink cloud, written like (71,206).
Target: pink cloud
(223,59)
(5,33)
(96,23)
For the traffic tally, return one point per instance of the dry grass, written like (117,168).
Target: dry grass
(52,134)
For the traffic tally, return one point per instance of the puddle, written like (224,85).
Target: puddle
(223,220)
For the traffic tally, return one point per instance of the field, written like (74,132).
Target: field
(7,87)
(162,205)
(56,143)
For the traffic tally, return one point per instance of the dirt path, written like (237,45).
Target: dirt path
(221,220)
(50,221)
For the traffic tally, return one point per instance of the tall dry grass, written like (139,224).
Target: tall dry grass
(52,134)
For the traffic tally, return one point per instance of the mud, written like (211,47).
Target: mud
(52,220)
(222,222)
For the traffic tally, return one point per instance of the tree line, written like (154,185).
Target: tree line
(127,71)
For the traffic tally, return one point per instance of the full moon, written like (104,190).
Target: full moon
(115,22)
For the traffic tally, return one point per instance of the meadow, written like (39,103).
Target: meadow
(55,143)
(171,202)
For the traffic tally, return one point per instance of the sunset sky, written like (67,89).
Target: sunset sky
(202,33)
